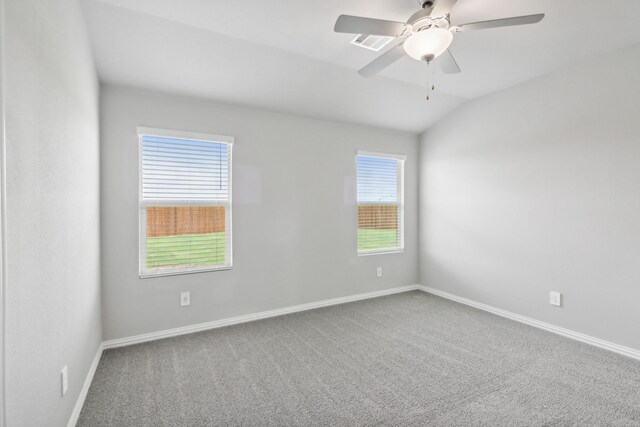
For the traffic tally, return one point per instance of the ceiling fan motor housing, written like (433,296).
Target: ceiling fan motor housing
(422,19)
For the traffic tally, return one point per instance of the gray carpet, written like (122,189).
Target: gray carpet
(402,360)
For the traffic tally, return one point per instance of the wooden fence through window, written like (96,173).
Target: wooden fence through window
(378,216)
(172,221)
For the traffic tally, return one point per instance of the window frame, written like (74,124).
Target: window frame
(143,273)
(400,186)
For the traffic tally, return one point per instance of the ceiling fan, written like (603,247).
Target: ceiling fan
(425,36)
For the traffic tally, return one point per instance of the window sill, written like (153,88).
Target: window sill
(181,272)
(380,252)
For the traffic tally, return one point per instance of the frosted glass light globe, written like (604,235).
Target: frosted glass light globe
(433,41)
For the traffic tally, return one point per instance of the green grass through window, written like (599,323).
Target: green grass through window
(209,249)
(187,250)
(373,238)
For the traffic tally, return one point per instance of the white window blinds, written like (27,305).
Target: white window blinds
(185,202)
(380,202)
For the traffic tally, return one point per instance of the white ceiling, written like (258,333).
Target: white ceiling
(282,55)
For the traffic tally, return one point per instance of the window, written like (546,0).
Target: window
(185,202)
(380,202)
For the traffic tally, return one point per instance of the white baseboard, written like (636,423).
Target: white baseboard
(607,345)
(85,387)
(121,342)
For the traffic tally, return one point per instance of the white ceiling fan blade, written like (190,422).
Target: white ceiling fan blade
(382,61)
(360,25)
(447,63)
(505,22)
(442,7)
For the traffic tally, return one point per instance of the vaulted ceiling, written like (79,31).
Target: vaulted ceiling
(282,55)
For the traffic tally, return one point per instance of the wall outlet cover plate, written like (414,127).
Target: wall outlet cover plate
(555,298)
(185,299)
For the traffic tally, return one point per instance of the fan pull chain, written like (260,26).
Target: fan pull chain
(428,81)
(431,81)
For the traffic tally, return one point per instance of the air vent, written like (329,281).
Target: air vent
(370,42)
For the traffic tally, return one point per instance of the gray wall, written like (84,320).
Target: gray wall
(53,260)
(537,189)
(294,214)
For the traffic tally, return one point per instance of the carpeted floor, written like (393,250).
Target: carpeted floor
(401,360)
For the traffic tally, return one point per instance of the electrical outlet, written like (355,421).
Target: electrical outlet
(555,298)
(185,299)
(64,380)
(379,272)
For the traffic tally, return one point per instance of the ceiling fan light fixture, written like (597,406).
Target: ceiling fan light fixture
(428,44)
